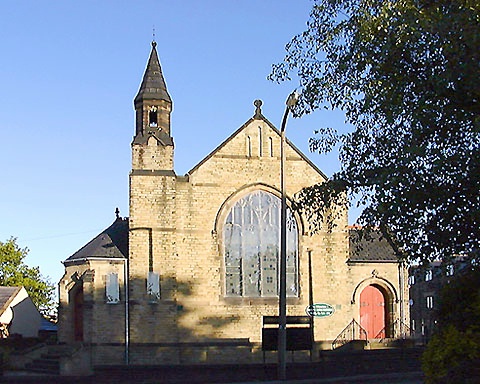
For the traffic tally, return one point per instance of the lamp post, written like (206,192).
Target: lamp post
(282,301)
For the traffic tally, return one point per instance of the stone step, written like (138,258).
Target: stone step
(48,370)
(48,363)
(60,350)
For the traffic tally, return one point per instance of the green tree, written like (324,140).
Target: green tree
(453,353)
(405,73)
(15,273)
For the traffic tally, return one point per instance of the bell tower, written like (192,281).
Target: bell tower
(152,146)
(152,220)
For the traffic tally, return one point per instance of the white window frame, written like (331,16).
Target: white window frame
(429,302)
(450,270)
(428,275)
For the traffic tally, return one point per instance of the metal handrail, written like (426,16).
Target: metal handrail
(353,331)
(395,331)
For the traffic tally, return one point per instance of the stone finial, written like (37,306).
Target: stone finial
(258,108)
(117,213)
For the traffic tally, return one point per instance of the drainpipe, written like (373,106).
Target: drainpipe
(401,285)
(310,297)
(127,313)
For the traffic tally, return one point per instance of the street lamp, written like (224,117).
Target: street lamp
(282,301)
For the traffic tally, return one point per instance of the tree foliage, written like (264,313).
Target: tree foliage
(405,72)
(453,353)
(15,273)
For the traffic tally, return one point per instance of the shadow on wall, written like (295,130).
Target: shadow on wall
(180,327)
(26,319)
(179,315)
(195,313)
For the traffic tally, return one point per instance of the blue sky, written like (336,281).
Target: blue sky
(69,73)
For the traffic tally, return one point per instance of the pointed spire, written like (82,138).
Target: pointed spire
(153,85)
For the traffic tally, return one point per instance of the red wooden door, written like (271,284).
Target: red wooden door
(78,314)
(372,311)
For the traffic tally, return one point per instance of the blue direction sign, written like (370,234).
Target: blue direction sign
(320,310)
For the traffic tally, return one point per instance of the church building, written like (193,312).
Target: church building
(193,272)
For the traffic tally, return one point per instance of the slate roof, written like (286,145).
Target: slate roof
(160,135)
(370,247)
(47,325)
(7,294)
(153,85)
(112,243)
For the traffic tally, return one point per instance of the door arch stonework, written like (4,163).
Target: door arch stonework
(379,298)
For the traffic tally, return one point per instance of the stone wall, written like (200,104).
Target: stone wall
(176,231)
(184,218)
(102,322)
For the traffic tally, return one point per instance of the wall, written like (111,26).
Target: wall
(23,315)
(176,230)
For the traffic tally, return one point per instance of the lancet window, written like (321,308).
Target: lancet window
(153,117)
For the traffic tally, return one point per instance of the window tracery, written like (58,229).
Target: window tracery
(251,237)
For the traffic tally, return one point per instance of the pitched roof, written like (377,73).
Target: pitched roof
(257,116)
(112,243)
(7,294)
(47,325)
(159,135)
(153,85)
(371,247)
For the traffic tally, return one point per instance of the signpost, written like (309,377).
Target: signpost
(320,310)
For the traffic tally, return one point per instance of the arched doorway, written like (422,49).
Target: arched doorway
(374,315)
(78,313)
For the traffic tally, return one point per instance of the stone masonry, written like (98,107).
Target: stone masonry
(176,232)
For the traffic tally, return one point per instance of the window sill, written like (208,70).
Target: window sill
(257,300)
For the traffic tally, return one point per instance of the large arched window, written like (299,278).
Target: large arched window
(251,236)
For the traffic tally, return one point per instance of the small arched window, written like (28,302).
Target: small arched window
(153,117)
(251,235)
